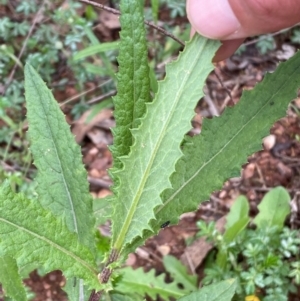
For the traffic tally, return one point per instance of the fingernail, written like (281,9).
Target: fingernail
(212,18)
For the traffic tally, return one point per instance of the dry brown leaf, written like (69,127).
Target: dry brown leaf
(197,251)
(81,127)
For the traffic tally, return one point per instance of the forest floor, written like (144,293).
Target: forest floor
(278,163)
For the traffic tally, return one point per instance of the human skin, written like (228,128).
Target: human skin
(231,21)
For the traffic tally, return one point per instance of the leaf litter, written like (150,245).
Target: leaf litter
(279,165)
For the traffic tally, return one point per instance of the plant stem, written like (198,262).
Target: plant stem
(95,296)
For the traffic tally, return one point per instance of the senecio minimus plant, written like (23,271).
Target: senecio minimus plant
(158,172)
(263,259)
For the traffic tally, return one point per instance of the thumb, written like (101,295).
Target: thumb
(235,19)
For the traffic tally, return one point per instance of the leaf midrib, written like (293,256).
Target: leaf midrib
(131,211)
(74,217)
(145,287)
(51,243)
(219,152)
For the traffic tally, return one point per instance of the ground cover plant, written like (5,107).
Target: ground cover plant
(157,170)
(47,35)
(264,259)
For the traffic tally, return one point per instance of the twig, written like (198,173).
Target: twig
(192,267)
(12,73)
(75,97)
(145,249)
(266,189)
(99,182)
(213,108)
(266,36)
(164,32)
(223,86)
(226,100)
(117,12)
(101,97)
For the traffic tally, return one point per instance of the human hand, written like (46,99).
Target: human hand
(233,20)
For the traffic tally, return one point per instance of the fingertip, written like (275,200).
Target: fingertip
(213,19)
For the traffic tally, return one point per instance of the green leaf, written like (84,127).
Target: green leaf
(179,273)
(141,283)
(10,279)
(239,210)
(225,142)
(95,49)
(62,179)
(128,297)
(33,235)
(229,236)
(76,291)
(273,209)
(222,291)
(107,65)
(96,69)
(156,149)
(155,9)
(102,209)
(133,78)
(236,221)
(153,80)
(232,232)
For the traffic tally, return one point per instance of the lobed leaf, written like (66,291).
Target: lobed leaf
(221,291)
(10,279)
(225,143)
(133,78)
(120,297)
(156,148)
(62,178)
(141,283)
(34,236)
(179,273)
